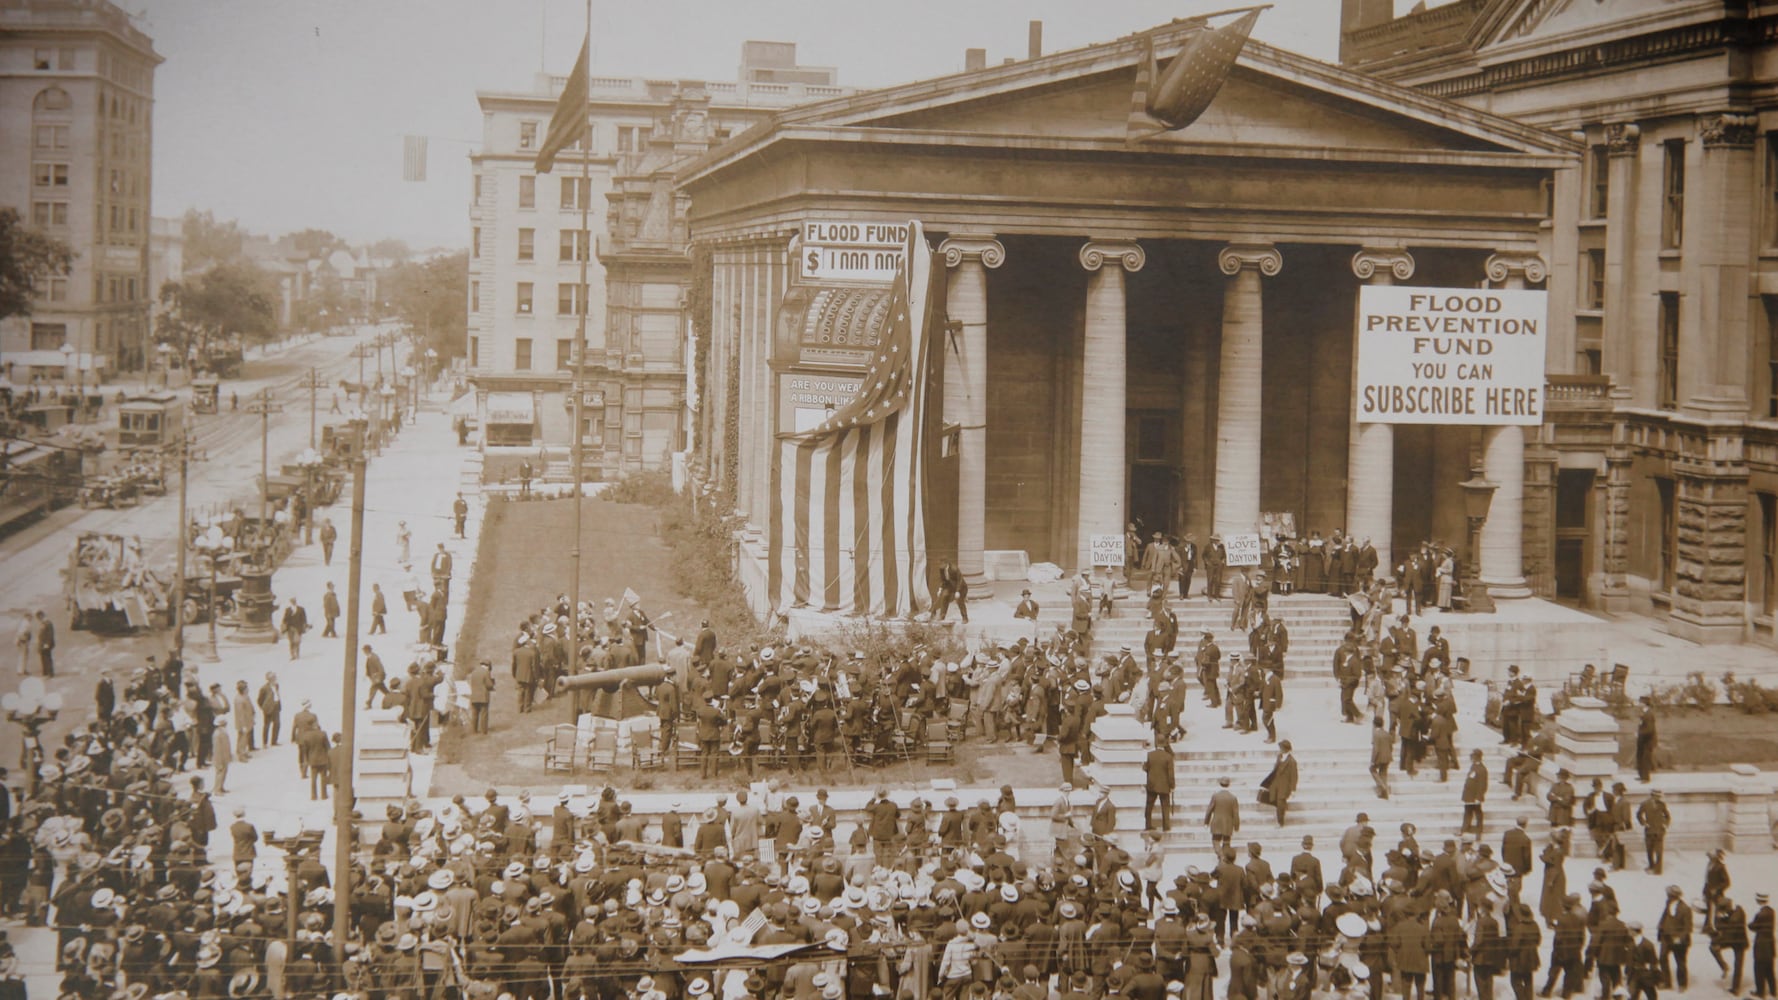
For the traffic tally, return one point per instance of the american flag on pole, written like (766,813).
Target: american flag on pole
(1170,99)
(413,166)
(848,518)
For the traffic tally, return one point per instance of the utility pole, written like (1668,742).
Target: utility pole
(313,384)
(266,409)
(584,250)
(180,541)
(343,833)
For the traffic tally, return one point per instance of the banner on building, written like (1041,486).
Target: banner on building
(838,250)
(1243,550)
(1450,355)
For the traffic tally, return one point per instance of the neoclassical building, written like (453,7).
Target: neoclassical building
(1655,482)
(1160,329)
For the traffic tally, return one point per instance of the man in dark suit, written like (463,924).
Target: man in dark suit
(1281,783)
(1445,947)
(1763,927)
(1222,815)
(1364,564)
(1188,564)
(105,696)
(441,570)
(1655,817)
(1644,970)
(1675,933)
(1475,790)
(46,644)
(1158,780)
(271,710)
(1515,846)
(293,624)
(1216,558)
(330,612)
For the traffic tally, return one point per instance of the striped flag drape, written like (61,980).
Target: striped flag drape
(848,518)
(1171,99)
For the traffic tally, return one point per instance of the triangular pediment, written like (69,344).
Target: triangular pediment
(1518,24)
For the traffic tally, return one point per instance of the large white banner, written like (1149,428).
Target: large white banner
(1450,355)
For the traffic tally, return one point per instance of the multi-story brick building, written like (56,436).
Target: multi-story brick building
(1653,482)
(77,114)
(527,245)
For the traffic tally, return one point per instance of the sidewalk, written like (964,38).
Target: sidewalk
(415,480)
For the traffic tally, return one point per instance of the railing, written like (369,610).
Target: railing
(1570,391)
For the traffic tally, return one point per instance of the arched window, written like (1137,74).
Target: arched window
(53,99)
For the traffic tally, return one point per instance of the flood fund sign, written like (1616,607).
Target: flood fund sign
(851,251)
(1450,355)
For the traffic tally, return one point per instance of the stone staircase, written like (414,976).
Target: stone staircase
(1334,783)
(1316,624)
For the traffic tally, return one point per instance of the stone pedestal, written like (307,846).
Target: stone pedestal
(1120,745)
(1586,742)
(381,772)
(256,602)
(1750,829)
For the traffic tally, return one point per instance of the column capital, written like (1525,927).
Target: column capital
(959,247)
(1237,256)
(1129,253)
(1727,130)
(1395,260)
(1622,138)
(1530,266)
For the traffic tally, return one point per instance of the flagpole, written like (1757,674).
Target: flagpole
(584,244)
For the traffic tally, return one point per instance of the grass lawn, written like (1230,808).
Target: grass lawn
(1706,739)
(523,562)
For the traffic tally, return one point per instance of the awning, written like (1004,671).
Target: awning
(511,408)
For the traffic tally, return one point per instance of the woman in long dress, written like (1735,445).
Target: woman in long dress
(1552,898)
(1446,575)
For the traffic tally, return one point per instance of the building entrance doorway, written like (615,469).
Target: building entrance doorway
(1574,490)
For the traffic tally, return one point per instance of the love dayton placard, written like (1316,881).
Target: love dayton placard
(1450,355)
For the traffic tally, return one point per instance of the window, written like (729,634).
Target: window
(64,58)
(525,298)
(521,354)
(1673,187)
(1771,356)
(50,174)
(1768,555)
(49,213)
(572,190)
(48,336)
(475,296)
(629,138)
(564,355)
(527,244)
(1771,189)
(1595,279)
(570,300)
(527,135)
(57,290)
(1669,534)
(574,245)
(475,242)
(528,191)
(1668,375)
(51,137)
(475,352)
(1599,164)
(42,59)
(478,187)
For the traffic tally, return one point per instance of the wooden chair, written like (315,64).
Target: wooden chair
(687,757)
(646,756)
(602,757)
(939,749)
(1620,675)
(559,751)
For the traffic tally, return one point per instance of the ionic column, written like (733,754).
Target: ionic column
(1238,387)
(1103,466)
(1503,462)
(1370,453)
(966,303)
(1618,345)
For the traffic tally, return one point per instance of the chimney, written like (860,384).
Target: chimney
(1356,15)
(1036,40)
(974,59)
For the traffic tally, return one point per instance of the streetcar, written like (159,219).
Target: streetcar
(150,421)
(206,393)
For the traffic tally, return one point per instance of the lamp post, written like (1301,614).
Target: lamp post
(1478,496)
(213,543)
(68,371)
(165,351)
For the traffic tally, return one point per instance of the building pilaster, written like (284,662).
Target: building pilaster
(969,255)
(1715,384)
(1370,454)
(1103,463)
(1239,385)
(1618,345)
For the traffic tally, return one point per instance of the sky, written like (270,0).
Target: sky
(287,114)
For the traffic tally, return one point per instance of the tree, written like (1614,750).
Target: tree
(313,243)
(432,298)
(235,297)
(391,249)
(208,241)
(27,256)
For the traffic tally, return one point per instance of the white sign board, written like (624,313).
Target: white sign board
(1108,550)
(851,251)
(1450,355)
(1243,550)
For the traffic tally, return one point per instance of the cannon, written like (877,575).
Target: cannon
(612,694)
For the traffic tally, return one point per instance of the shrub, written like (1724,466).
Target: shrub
(880,641)
(655,489)
(1749,696)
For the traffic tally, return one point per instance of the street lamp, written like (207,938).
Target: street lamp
(68,375)
(213,544)
(1478,496)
